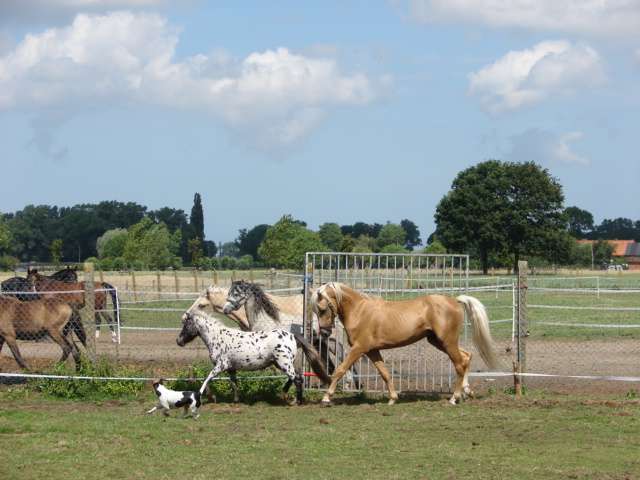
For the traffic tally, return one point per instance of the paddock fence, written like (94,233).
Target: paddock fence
(576,333)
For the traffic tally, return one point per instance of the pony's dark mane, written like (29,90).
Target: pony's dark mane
(261,300)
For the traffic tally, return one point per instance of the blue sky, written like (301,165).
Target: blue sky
(333,111)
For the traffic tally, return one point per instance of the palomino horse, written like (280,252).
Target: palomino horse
(373,324)
(32,320)
(74,293)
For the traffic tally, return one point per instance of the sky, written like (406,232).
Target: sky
(329,111)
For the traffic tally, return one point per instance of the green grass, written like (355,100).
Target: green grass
(493,437)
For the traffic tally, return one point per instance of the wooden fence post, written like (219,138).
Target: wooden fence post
(133,285)
(176,283)
(159,283)
(215,277)
(195,279)
(523,325)
(88,312)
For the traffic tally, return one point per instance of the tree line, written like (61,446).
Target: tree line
(497,212)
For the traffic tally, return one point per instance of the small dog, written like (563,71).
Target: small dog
(168,399)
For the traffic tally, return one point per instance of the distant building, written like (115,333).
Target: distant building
(627,251)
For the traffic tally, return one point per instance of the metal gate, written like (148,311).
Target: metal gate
(415,368)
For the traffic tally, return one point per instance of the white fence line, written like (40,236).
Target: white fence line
(595,309)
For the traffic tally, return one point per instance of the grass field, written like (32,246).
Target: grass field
(539,436)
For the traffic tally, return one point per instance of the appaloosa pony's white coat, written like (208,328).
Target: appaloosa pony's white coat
(231,350)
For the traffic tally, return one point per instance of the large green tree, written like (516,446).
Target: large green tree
(412,234)
(287,241)
(331,236)
(196,219)
(111,243)
(391,234)
(497,206)
(249,241)
(150,245)
(579,222)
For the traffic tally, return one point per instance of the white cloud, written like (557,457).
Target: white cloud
(124,57)
(525,77)
(615,18)
(547,147)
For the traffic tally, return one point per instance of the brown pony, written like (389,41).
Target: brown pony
(73,292)
(32,320)
(373,324)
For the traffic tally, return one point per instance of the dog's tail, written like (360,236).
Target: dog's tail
(314,359)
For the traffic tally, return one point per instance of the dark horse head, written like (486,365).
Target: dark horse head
(241,292)
(19,288)
(189,330)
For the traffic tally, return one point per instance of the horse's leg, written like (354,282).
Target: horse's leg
(234,385)
(285,363)
(13,346)
(354,354)
(217,369)
(466,389)
(98,321)
(65,345)
(376,357)
(458,359)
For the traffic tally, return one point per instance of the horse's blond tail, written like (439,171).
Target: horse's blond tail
(480,324)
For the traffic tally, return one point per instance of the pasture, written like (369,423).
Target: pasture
(539,436)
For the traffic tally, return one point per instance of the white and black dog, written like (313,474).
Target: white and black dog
(168,399)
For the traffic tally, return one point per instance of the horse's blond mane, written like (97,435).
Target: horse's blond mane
(338,289)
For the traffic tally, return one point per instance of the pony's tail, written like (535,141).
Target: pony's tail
(480,324)
(314,359)
(114,300)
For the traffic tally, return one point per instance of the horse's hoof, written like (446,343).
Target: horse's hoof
(97,334)
(325,403)
(391,401)
(454,401)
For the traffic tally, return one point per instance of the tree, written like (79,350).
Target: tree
(249,241)
(579,222)
(150,245)
(616,229)
(331,236)
(391,234)
(412,234)
(229,249)
(195,250)
(501,206)
(6,239)
(364,244)
(196,220)
(435,246)
(56,251)
(286,242)
(111,243)
(173,218)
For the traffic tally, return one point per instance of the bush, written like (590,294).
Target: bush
(249,389)
(89,389)
(8,263)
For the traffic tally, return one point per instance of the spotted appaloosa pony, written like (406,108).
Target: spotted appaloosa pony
(231,350)
(373,324)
